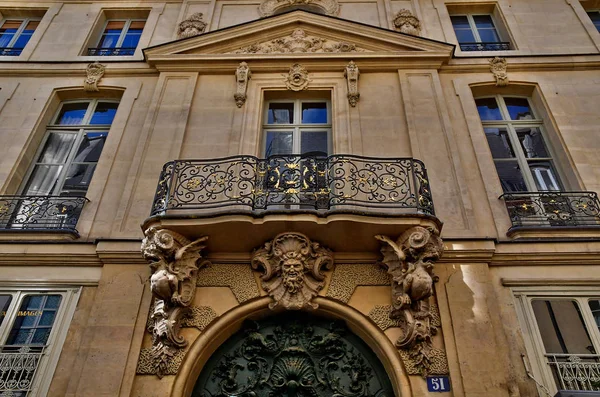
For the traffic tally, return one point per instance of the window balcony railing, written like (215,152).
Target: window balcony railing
(18,366)
(40,213)
(10,51)
(294,182)
(485,46)
(107,52)
(553,209)
(575,372)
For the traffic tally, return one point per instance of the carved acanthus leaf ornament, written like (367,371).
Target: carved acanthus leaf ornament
(299,42)
(406,22)
(94,73)
(410,261)
(292,266)
(242,75)
(498,69)
(193,26)
(270,7)
(174,261)
(351,73)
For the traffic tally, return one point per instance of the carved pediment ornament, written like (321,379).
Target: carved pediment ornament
(242,75)
(351,74)
(174,261)
(410,260)
(498,69)
(298,42)
(94,73)
(270,7)
(406,22)
(297,78)
(193,26)
(292,266)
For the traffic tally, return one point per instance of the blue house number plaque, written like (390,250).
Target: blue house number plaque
(438,383)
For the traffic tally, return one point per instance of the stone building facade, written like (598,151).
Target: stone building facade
(299,197)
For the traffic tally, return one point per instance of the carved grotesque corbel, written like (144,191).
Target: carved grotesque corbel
(410,260)
(297,78)
(174,261)
(94,73)
(193,26)
(351,74)
(498,69)
(242,75)
(292,267)
(406,22)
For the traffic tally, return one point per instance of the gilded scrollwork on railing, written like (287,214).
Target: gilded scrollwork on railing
(320,183)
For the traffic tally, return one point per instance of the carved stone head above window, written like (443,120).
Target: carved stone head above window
(273,7)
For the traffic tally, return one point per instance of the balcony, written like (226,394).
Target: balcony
(47,214)
(106,52)
(19,366)
(483,46)
(10,51)
(575,372)
(243,196)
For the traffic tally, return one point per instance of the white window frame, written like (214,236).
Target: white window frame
(296,127)
(119,42)
(24,23)
(534,345)
(79,130)
(473,27)
(510,126)
(64,315)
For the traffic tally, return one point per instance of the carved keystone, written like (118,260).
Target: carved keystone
(94,73)
(193,26)
(406,22)
(498,69)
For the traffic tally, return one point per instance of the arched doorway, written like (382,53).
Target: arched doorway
(293,354)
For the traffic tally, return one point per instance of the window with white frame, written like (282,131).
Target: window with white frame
(478,32)
(15,34)
(33,326)
(515,135)
(564,343)
(119,37)
(595,17)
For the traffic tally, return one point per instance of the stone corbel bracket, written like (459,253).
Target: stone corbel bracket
(291,266)
(174,261)
(410,260)
(498,68)
(242,75)
(351,73)
(193,26)
(406,22)
(94,73)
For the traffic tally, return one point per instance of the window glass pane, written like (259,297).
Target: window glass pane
(460,22)
(104,113)
(131,39)
(22,41)
(278,143)
(544,175)
(518,108)
(34,320)
(7,31)
(72,113)
(483,21)
(532,142)
(561,327)
(489,36)
(78,179)
(314,143)
(595,17)
(57,148)
(108,41)
(43,180)
(91,147)
(499,143)
(594,307)
(114,27)
(315,112)
(488,109)
(280,113)
(4,304)
(510,176)
(464,36)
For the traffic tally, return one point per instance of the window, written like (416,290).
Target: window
(595,17)
(15,34)
(478,33)
(565,338)
(33,325)
(516,139)
(119,37)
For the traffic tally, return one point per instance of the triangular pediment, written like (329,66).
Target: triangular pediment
(300,34)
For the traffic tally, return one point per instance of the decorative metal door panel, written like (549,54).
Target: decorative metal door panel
(293,355)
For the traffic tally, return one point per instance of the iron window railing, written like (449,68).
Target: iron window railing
(553,209)
(18,366)
(575,372)
(10,51)
(104,52)
(294,182)
(40,213)
(483,46)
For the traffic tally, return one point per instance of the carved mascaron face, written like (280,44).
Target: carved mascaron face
(292,271)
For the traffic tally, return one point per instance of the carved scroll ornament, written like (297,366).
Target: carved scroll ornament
(351,73)
(297,78)
(193,26)
(410,261)
(94,73)
(406,22)
(242,75)
(292,270)
(498,69)
(270,7)
(174,262)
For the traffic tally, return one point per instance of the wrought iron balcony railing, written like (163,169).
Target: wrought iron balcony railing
(553,209)
(10,51)
(18,366)
(575,372)
(106,52)
(294,182)
(483,46)
(40,213)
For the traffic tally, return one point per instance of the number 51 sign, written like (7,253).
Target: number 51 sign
(438,383)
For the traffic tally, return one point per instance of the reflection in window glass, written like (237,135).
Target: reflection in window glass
(518,108)
(278,143)
(532,142)
(280,113)
(488,109)
(511,176)
(595,17)
(72,113)
(104,113)
(4,304)
(34,320)
(544,176)
(499,143)
(314,143)
(595,308)
(314,112)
